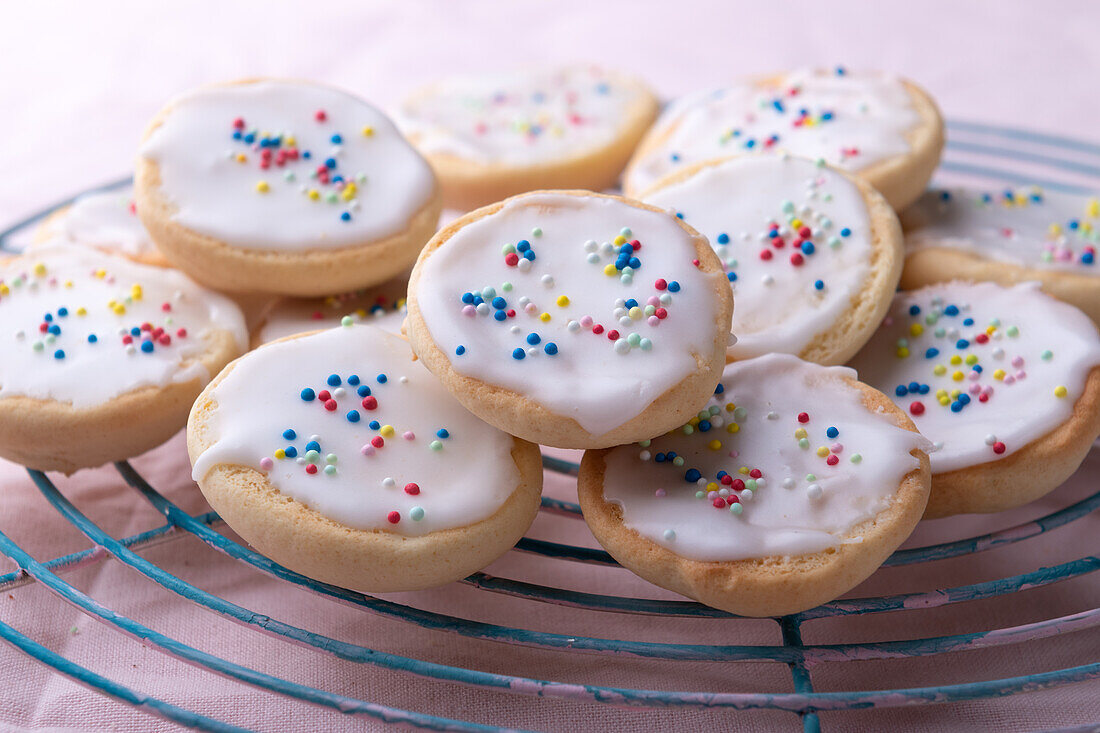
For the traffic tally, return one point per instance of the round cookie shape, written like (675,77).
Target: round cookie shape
(1004,381)
(284,187)
(571,318)
(107,221)
(102,356)
(812,255)
(492,136)
(881,127)
(339,456)
(1017,235)
(382,306)
(792,484)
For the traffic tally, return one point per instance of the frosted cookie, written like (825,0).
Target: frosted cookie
(283,187)
(812,255)
(490,137)
(1004,381)
(102,357)
(339,456)
(883,128)
(106,221)
(382,306)
(1017,235)
(570,318)
(792,484)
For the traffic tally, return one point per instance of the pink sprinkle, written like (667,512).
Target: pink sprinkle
(1017,361)
(659,493)
(837,447)
(975,389)
(586,321)
(734,453)
(1021,374)
(988,390)
(653,300)
(408,435)
(530,308)
(974,376)
(1010,379)
(367,450)
(266,463)
(469,310)
(653,320)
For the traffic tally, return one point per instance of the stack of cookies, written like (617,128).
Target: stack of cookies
(690,336)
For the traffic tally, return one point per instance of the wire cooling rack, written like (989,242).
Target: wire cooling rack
(985,154)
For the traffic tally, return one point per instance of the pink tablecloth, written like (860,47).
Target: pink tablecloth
(79,82)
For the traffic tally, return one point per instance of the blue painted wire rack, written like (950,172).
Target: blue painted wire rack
(977,152)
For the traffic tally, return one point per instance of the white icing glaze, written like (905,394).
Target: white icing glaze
(1037,345)
(738,204)
(870,116)
(1025,226)
(105,221)
(299,315)
(596,381)
(798,503)
(520,117)
(465,480)
(66,366)
(385,181)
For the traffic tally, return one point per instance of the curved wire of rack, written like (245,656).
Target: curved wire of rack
(975,140)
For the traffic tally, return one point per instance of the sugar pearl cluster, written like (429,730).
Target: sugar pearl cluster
(325,181)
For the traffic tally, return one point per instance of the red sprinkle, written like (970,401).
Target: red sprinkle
(320,115)
(804,232)
(832,460)
(597,329)
(719,502)
(796,259)
(661,313)
(324,395)
(661,284)
(377,441)
(238,123)
(998,447)
(370,402)
(755,473)
(181,333)
(330,405)
(727,479)
(737,484)
(765,254)
(393,517)
(695,262)
(511,259)
(981,338)
(803,417)
(916,408)
(635,244)
(166,307)
(311,468)
(613,335)
(412,489)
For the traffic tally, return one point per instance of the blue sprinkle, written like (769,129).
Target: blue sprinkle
(626,249)
(951,310)
(250,138)
(692,475)
(460,350)
(381,378)
(442,434)
(819,284)
(135,331)
(968,322)
(704,426)
(723,238)
(289,434)
(330,163)
(720,474)
(54,329)
(499,302)
(679,215)
(308,395)
(914,310)
(931,353)
(914,387)
(977,368)
(845,232)
(468,298)
(291,451)
(731,276)
(832,432)
(363,390)
(346,216)
(334,380)
(237,135)
(719,389)
(808,248)
(962,344)
(62,312)
(901,390)
(147,347)
(956,406)
(500,315)
(313,445)
(529,255)
(551,348)
(306,154)
(674,287)
(924,389)
(632,303)
(336,139)
(964,398)
(518,354)
(353,416)
(635,263)
(659,458)
(374,425)
(353,379)
(59,354)
(92,338)
(533,338)
(1088,258)
(523,245)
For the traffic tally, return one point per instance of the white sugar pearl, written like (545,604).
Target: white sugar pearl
(619,312)
(607,248)
(788,483)
(532,351)
(773,415)
(590,245)
(761,483)
(593,258)
(747,494)
(644,455)
(404,380)
(524,265)
(573,326)
(990,439)
(813,491)
(388,482)
(483,309)
(548,281)
(516,329)
(339,392)
(767,279)
(625,321)
(622,346)
(524,300)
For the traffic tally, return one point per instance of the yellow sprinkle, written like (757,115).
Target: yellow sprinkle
(916,329)
(635,313)
(743,469)
(1055,230)
(955,393)
(262,187)
(1093,208)
(620,239)
(609,269)
(902,352)
(972,359)
(563,300)
(40,269)
(242,158)
(796,223)
(956,360)
(822,451)
(368,131)
(386,431)
(715,445)
(314,194)
(999,374)
(290,140)
(280,453)
(100,274)
(730,407)
(712,486)
(82,311)
(119,309)
(693,421)
(348,193)
(1060,391)
(136,292)
(733,427)
(544,317)
(4,290)
(68,283)
(800,433)
(939,370)
(944,400)
(990,329)
(958,376)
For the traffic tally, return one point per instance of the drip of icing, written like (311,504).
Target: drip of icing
(211,148)
(520,117)
(852,120)
(106,221)
(549,336)
(978,367)
(806,284)
(294,315)
(741,483)
(67,313)
(1025,226)
(427,459)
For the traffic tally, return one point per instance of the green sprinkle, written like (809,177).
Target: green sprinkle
(634,339)
(678,461)
(811,477)
(625,231)
(38,346)
(416,513)
(347,321)
(700,494)
(330,470)
(740,413)
(1013,331)
(688,430)
(436,445)
(536,232)
(803,443)
(856,458)
(312,456)
(751,484)
(508,249)
(736,507)
(1046,355)
(506,287)
(645,443)
(330,458)
(645,344)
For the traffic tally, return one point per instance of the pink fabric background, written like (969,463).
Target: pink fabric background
(79,80)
